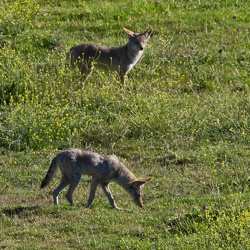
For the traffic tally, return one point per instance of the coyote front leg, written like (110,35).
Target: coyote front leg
(106,190)
(93,186)
(122,73)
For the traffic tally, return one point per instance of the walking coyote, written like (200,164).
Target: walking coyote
(104,169)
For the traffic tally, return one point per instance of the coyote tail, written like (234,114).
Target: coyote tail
(50,174)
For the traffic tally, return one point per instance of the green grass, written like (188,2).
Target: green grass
(182,118)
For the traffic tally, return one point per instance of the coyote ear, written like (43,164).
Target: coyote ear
(137,183)
(148,33)
(128,32)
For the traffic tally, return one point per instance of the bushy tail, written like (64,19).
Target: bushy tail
(50,174)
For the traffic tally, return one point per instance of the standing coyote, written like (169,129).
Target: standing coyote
(104,169)
(121,59)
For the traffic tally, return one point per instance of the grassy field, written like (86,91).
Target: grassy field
(182,118)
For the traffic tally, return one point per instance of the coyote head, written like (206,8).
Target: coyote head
(138,41)
(136,190)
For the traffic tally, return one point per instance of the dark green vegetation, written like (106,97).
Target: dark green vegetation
(182,118)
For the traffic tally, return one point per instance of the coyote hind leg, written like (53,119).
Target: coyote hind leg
(64,183)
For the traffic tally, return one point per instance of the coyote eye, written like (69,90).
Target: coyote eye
(138,194)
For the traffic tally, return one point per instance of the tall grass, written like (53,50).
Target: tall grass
(182,117)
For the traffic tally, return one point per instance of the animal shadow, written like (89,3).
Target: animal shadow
(20,211)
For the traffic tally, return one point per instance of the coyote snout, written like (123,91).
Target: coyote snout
(121,59)
(104,169)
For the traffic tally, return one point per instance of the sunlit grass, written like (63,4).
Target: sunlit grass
(182,118)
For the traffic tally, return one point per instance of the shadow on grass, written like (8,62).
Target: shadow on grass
(20,211)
